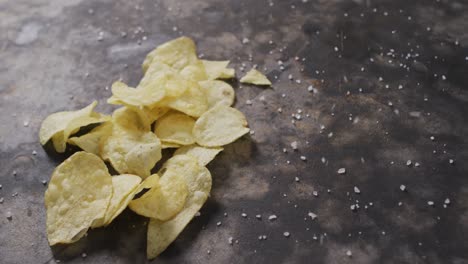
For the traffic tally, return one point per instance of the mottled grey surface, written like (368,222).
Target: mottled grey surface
(387,76)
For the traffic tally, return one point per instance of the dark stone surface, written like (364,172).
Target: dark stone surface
(52,60)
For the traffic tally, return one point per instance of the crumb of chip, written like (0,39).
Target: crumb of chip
(255,77)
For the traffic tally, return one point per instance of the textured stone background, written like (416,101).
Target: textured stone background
(387,75)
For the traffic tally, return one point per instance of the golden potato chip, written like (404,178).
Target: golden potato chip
(124,187)
(60,140)
(202,154)
(142,158)
(195,72)
(90,142)
(78,195)
(192,102)
(217,92)
(176,53)
(141,96)
(162,233)
(164,201)
(131,119)
(218,70)
(175,127)
(58,122)
(59,126)
(161,76)
(132,152)
(255,77)
(155,113)
(165,145)
(219,126)
(132,148)
(148,183)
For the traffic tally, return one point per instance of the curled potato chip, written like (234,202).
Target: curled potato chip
(165,200)
(155,113)
(60,140)
(90,142)
(78,195)
(219,126)
(177,53)
(202,154)
(141,96)
(165,145)
(218,70)
(194,72)
(162,233)
(192,102)
(161,76)
(175,127)
(58,122)
(131,119)
(255,77)
(124,187)
(59,126)
(134,153)
(132,147)
(148,183)
(217,92)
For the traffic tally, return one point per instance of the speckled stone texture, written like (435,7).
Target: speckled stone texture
(386,76)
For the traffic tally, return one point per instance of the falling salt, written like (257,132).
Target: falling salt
(294,145)
(356,190)
(312,215)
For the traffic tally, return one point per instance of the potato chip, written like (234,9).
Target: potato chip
(59,126)
(142,96)
(126,118)
(161,76)
(192,102)
(60,140)
(132,148)
(219,126)
(90,142)
(162,233)
(78,195)
(218,70)
(148,183)
(175,127)
(134,153)
(164,201)
(202,154)
(155,113)
(57,122)
(176,53)
(217,92)
(255,77)
(195,72)
(124,187)
(165,145)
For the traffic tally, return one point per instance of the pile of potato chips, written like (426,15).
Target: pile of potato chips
(179,103)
